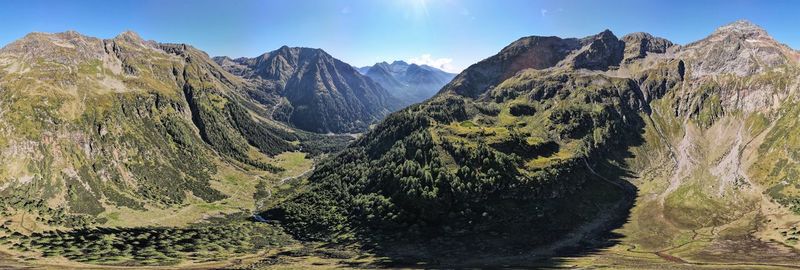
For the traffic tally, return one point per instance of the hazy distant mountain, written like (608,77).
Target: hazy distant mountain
(363,70)
(312,90)
(410,83)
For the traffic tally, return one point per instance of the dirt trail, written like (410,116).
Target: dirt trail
(260,203)
(669,258)
(302,174)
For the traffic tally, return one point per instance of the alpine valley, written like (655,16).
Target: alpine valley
(628,152)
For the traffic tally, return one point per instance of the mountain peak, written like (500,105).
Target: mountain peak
(64,36)
(640,44)
(740,48)
(606,34)
(743,28)
(324,94)
(286,50)
(740,25)
(70,34)
(283,49)
(379,68)
(399,62)
(130,36)
(600,52)
(64,47)
(638,35)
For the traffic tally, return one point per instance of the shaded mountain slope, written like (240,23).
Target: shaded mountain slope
(312,90)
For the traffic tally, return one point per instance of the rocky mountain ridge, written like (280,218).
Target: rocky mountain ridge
(313,91)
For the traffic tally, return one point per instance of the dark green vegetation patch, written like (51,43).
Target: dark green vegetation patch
(454,166)
(212,241)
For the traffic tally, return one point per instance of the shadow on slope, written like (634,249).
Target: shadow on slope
(577,225)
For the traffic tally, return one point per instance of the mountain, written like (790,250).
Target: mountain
(311,90)
(91,129)
(363,70)
(613,152)
(410,83)
(684,151)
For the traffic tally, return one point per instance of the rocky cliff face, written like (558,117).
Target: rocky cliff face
(748,68)
(312,90)
(639,45)
(599,52)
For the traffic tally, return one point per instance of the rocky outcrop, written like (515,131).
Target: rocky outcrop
(639,44)
(601,52)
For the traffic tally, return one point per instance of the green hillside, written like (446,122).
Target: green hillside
(599,147)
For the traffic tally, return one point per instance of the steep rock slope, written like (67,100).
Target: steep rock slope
(410,83)
(313,91)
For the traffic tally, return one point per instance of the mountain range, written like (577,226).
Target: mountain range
(684,151)
(91,127)
(311,90)
(410,83)
(627,152)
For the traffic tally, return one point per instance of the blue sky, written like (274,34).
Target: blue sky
(448,33)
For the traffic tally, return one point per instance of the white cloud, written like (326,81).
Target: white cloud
(445,64)
(547,12)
